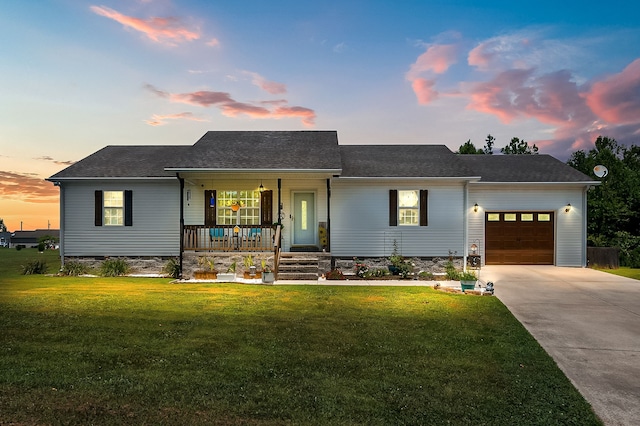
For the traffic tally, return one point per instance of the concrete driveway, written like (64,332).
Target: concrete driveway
(589,322)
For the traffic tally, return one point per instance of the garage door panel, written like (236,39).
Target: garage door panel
(523,241)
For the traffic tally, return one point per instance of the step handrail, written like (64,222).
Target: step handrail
(276,251)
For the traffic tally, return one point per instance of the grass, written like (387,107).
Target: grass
(106,351)
(624,272)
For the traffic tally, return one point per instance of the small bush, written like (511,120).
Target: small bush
(172,268)
(35,267)
(378,272)
(451,271)
(20,247)
(74,268)
(114,268)
(335,274)
(40,247)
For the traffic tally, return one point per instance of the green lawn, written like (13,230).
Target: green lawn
(623,271)
(79,351)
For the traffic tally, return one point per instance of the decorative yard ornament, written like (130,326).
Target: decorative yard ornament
(600,171)
(489,287)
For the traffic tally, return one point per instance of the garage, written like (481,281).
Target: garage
(519,238)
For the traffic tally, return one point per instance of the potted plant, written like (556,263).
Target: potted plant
(468,280)
(268,277)
(230,275)
(250,270)
(208,269)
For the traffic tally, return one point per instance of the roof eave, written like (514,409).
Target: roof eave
(238,170)
(577,183)
(79,178)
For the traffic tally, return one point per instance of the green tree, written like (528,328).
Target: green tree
(3,227)
(469,148)
(613,207)
(488,144)
(519,146)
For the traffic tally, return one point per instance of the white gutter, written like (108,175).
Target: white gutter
(94,178)
(465,225)
(580,183)
(209,170)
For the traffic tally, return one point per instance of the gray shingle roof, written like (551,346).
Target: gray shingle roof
(402,161)
(278,150)
(125,161)
(314,150)
(522,168)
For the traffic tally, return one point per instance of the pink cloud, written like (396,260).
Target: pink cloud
(424,91)
(27,187)
(160,119)
(616,99)
(551,98)
(308,116)
(438,58)
(168,31)
(214,42)
(271,87)
(275,109)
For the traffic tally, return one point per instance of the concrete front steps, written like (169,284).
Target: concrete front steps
(303,265)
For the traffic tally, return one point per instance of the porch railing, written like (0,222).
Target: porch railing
(224,238)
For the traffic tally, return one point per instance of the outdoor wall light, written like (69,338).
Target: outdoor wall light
(566,209)
(261,189)
(474,248)
(475,208)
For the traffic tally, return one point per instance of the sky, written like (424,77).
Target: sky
(78,75)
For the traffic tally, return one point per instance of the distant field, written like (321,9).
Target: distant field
(115,351)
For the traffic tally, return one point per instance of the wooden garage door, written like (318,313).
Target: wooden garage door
(519,238)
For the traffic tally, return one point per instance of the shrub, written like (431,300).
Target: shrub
(335,274)
(34,267)
(74,268)
(378,272)
(172,268)
(114,267)
(20,247)
(360,268)
(41,247)
(452,273)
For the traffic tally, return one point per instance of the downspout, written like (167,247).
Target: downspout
(279,201)
(181,180)
(62,210)
(584,226)
(465,222)
(329,215)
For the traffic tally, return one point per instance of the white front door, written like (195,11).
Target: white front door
(304,218)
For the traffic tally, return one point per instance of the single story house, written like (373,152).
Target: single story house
(253,191)
(32,238)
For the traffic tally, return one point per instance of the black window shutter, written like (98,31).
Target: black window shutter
(128,208)
(266,202)
(98,209)
(210,207)
(424,207)
(393,207)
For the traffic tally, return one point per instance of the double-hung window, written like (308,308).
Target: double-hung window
(113,208)
(408,207)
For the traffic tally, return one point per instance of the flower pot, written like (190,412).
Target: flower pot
(205,275)
(227,277)
(467,285)
(248,275)
(268,277)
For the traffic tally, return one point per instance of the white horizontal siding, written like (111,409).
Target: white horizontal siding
(569,236)
(360,220)
(156,220)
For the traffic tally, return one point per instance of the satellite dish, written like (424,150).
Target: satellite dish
(600,171)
